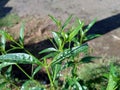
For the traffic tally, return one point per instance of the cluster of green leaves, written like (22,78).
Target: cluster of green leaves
(62,56)
(113,78)
(67,46)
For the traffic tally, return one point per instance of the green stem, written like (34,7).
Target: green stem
(74,70)
(24,72)
(69,44)
(81,40)
(48,73)
(51,82)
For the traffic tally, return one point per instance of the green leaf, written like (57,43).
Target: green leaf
(88,59)
(5,64)
(54,19)
(64,35)
(21,38)
(50,55)
(36,88)
(78,86)
(31,85)
(7,35)
(91,36)
(3,86)
(70,52)
(3,42)
(8,72)
(75,32)
(56,68)
(57,22)
(89,26)
(48,50)
(57,39)
(66,22)
(37,69)
(21,58)
(113,79)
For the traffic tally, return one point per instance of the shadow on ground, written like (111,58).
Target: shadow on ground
(4,10)
(106,25)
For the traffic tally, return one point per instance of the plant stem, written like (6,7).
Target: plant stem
(23,71)
(81,40)
(69,44)
(51,82)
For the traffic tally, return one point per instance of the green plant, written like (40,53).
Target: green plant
(15,58)
(76,36)
(113,78)
(62,57)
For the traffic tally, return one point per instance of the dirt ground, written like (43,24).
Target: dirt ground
(39,26)
(88,9)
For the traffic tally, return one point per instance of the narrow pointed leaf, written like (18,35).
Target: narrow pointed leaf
(36,70)
(75,32)
(57,39)
(92,36)
(67,21)
(56,70)
(21,38)
(3,42)
(3,86)
(78,86)
(5,64)
(48,50)
(54,19)
(7,35)
(31,85)
(88,59)
(70,52)
(50,55)
(65,36)
(21,58)
(90,25)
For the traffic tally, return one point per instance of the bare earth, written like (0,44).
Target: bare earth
(107,13)
(88,9)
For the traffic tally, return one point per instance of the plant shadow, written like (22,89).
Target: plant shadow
(3,9)
(106,25)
